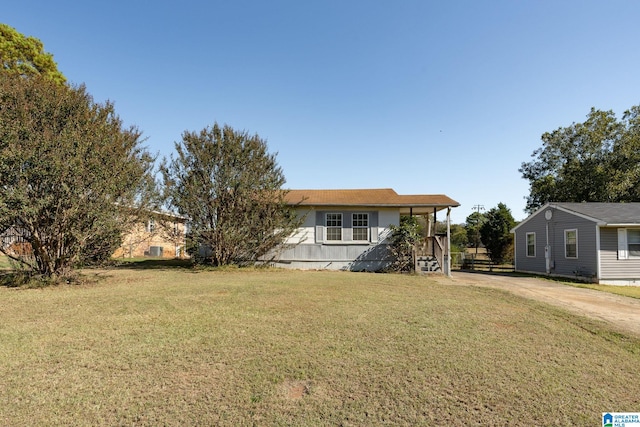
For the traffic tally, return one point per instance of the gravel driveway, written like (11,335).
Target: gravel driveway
(622,312)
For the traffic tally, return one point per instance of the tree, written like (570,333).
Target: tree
(230,188)
(594,161)
(496,235)
(68,169)
(404,237)
(472,224)
(459,237)
(25,56)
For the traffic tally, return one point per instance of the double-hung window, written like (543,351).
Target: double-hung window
(633,242)
(333,224)
(531,244)
(360,226)
(151,225)
(571,243)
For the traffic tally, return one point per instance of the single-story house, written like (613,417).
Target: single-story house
(598,242)
(349,229)
(161,235)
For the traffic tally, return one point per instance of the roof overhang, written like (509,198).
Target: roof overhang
(371,198)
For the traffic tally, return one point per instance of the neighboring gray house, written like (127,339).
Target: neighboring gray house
(598,242)
(349,229)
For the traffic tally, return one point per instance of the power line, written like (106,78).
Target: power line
(477,208)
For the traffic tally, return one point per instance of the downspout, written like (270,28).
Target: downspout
(547,250)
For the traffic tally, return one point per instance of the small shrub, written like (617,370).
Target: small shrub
(403,240)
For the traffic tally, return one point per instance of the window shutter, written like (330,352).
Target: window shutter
(373,226)
(373,231)
(319,227)
(622,244)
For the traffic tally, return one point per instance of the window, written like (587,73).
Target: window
(531,244)
(633,242)
(151,225)
(156,251)
(571,243)
(333,222)
(360,225)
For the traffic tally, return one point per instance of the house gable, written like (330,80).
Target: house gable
(596,229)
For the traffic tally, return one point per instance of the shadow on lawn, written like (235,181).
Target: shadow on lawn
(154,264)
(493,273)
(560,279)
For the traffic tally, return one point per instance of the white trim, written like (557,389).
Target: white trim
(530,217)
(567,230)
(333,227)
(623,252)
(620,282)
(526,241)
(360,227)
(546,206)
(578,214)
(598,253)
(629,255)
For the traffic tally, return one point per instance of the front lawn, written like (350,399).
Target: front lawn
(176,346)
(627,291)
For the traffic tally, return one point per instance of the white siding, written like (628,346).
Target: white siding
(386,218)
(305,234)
(614,268)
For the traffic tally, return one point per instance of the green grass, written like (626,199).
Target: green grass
(4,263)
(627,291)
(174,346)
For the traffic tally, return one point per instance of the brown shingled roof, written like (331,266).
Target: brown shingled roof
(384,197)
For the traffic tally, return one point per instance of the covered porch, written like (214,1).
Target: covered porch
(433,253)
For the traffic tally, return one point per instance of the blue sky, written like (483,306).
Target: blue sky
(425,97)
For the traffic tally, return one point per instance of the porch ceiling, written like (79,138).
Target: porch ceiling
(421,210)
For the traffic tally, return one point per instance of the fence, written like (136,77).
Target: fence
(485,265)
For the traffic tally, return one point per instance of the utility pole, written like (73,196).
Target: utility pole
(477,208)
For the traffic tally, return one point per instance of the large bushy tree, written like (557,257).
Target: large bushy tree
(68,169)
(594,161)
(496,235)
(25,56)
(230,187)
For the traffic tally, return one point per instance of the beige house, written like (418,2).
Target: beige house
(163,235)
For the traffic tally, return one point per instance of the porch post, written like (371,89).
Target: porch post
(435,226)
(447,252)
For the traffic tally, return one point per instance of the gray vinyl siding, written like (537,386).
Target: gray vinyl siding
(344,254)
(370,257)
(523,262)
(585,265)
(612,267)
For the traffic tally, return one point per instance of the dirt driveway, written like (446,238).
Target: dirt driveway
(622,312)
